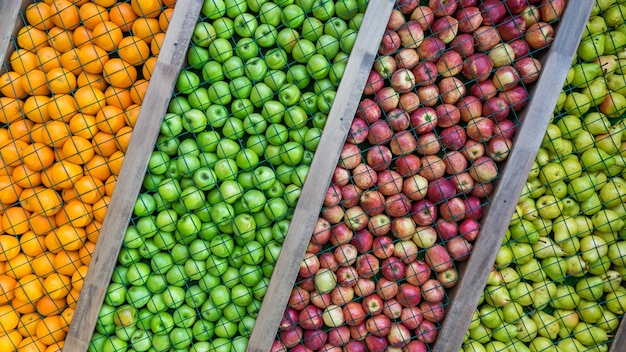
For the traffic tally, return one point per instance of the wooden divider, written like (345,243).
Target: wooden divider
(322,167)
(534,121)
(119,211)
(10,24)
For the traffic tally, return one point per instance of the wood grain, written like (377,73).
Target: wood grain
(132,173)
(535,119)
(323,164)
(10,24)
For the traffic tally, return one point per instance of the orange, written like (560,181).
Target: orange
(71,61)
(145,28)
(83,125)
(37,156)
(92,58)
(104,143)
(46,202)
(89,189)
(8,318)
(43,264)
(14,222)
(122,15)
(69,194)
(48,58)
(29,288)
(31,38)
(118,97)
(119,73)
(77,214)
(169,3)
(5,137)
(89,100)
(94,80)
(86,252)
(57,285)
(110,119)
(47,306)
(92,14)
(55,133)
(9,192)
(66,262)
(65,173)
(39,15)
(148,67)
(61,80)
(23,61)
(115,162)
(34,82)
(62,107)
(93,232)
(109,185)
(25,197)
(123,137)
(107,35)
(56,347)
(157,43)
(165,18)
(25,177)
(36,109)
(78,278)
(28,324)
(78,150)
(70,238)
(46,180)
(66,318)
(12,152)
(10,110)
(138,91)
(133,50)
(100,208)
(9,247)
(65,14)
(11,85)
(72,298)
(60,39)
(40,225)
(20,129)
(105,3)
(7,285)
(32,245)
(19,266)
(81,36)
(147,8)
(31,344)
(12,338)
(132,114)
(98,168)
(50,330)
(23,307)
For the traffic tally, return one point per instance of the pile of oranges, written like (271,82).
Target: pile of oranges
(69,98)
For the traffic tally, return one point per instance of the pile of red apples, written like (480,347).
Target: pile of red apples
(435,120)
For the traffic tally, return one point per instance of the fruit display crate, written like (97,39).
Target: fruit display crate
(466,295)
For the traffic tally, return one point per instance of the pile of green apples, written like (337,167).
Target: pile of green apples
(557,284)
(225,176)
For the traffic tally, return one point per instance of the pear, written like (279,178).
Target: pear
(545,248)
(518,346)
(613,105)
(607,220)
(490,316)
(576,266)
(497,296)
(616,301)
(510,277)
(589,312)
(560,101)
(522,252)
(610,142)
(577,103)
(570,344)
(512,311)
(613,16)
(506,332)
(583,141)
(613,193)
(555,268)
(481,334)
(609,321)
(543,344)
(614,41)
(596,123)
(494,277)
(542,293)
(616,82)
(547,325)
(524,231)
(543,226)
(473,346)
(565,297)
(475,320)
(590,48)
(601,266)
(593,247)
(596,25)
(570,126)
(529,210)
(588,334)
(585,72)
(608,63)
(495,346)
(585,225)
(591,205)
(526,329)
(617,253)
(531,271)
(571,208)
(590,288)
(521,293)
(597,90)
(612,280)
(567,318)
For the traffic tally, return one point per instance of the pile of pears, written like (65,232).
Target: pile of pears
(557,284)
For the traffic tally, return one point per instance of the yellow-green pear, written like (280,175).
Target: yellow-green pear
(571,344)
(547,325)
(585,72)
(576,266)
(543,344)
(589,335)
(596,90)
(614,15)
(614,105)
(608,63)
(546,247)
(610,142)
(526,329)
(591,47)
(614,41)
(577,103)
(616,82)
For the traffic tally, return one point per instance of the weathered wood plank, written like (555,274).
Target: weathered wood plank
(10,24)
(326,157)
(535,119)
(132,173)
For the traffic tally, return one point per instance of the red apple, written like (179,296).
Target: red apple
(328,261)
(411,34)
(493,11)
(424,212)
(433,291)
(469,107)
(278,346)
(463,182)
(505,128)
(531,15)
(374,83)
(459,248)
(333,196)
(520,48)
(498,148)
(408,165)
(364,176)
(539,35)
(402,143)
(372,304)
(529,69)
(321,232)
(407,58)
(341,295)
(396,20)
(484,169)
(486,37)
(368,110)
(443,7)
(448,115)
(310,317)
(426,332)
(438,258)
(431,49)
(429,95)
(432,311)
(440,189)
(345,254)
(477,66)
(358,333)
(482,190)
(516,6)
(469,19)
(552,10)
(451,89)
(453,209)
(356,218)
(320,300)
(350,156)
(340,234)
(350,195)
(512,28)
(432,167)
(446,229)
(480,129)
(425,236)
(455,162)
(397,205)
(393,268)
(390,43)
(367,265)
(346,276)
(387,98)
(463,44)
(450,64)
(378,325)
(382,247)
(379,225)
(409,295)
(445,28)
(411,317)
(415,346)
(425,73)
(429,144)
(473,149)
(453,138)
(362,240)
(407,6)
(448,278)
(341,176)
(484,90)
(364,287)
(505,78)
(389,182)
(409,102)
(516,97)
(373,202)
(376,343)
(424,16)
(502,54)
(402,228)
(418,272)
(386,289)
(358,131)
(298,299)
(496,108)
(291,337)
(402,80)
(289,320)
(379,157)
(340,335)
(469,229)
(392,309)
(424,119)
(415,187)
(309,266)
(314,339)
(354,313)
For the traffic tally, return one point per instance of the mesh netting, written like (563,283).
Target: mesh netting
(70,93)
(435,122)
